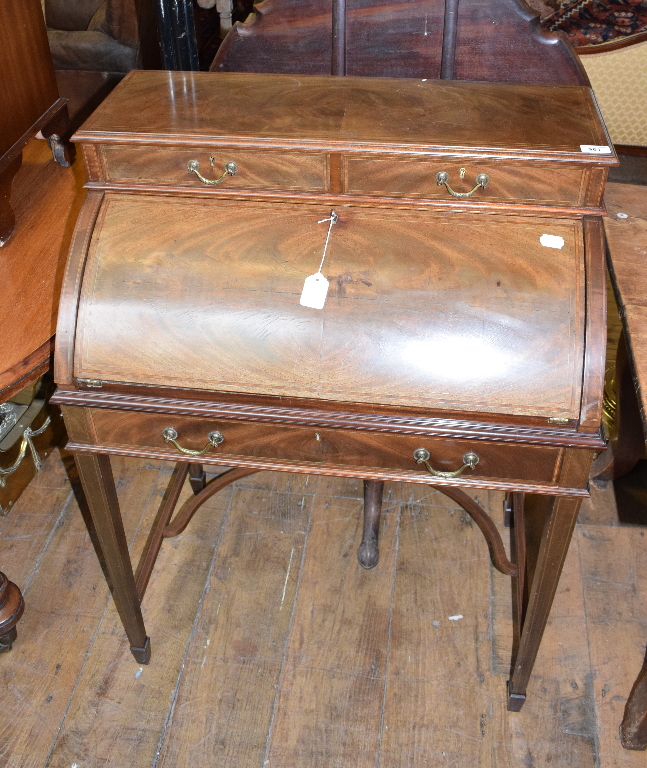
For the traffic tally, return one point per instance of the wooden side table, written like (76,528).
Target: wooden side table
(626,231)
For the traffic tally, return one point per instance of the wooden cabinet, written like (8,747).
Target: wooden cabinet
(28,96)
(462,337)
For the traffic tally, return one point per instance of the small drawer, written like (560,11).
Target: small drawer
(254,170)
(506,183)
(327,446)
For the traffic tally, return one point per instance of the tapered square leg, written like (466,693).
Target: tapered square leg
(515,700)
(557,516)
(197,478)
(142,655)
(100,493)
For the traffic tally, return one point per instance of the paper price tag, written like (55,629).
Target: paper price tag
(315,289)
(595,149)
(552,241)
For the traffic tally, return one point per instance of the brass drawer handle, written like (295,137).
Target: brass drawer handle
(193,166)
(170,436)
(421,455)
(482,180)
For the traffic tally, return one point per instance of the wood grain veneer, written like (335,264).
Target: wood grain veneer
(356,114)
(343,447)
(522,183)
(502,333)
(351,136)
(168,165)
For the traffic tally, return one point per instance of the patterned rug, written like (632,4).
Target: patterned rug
(594,22)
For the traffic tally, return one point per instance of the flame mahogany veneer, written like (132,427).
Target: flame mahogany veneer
(449,323)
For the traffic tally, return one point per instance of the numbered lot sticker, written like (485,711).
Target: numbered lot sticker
(595,149)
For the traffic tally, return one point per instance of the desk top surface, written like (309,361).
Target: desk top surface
(358,114)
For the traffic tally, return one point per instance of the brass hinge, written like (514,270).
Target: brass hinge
(557,420)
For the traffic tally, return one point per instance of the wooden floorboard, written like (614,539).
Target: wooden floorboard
(120,709)
(227,695)
(272,648)
(329,709)
(67,598)
(614,574)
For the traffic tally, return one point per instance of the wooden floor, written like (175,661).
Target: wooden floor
(272,648)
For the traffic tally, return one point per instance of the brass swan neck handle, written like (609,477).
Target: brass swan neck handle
(482,180)
(193,166)
(170,435)
(470,460)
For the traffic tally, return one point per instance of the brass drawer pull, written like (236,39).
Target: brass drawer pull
(170,436)
(482,180)
(193,166)
(421,455)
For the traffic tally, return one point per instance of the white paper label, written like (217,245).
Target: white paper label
(552,241)
(314,291)
(595,149)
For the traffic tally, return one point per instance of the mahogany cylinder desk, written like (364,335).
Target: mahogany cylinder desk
(384,279)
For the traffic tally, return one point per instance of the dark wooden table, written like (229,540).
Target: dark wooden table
(626,231)
(493,40)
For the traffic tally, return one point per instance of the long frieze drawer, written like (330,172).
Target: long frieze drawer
(331,446)
(504,183)
(253,170)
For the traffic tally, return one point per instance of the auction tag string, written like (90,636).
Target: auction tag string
(315,287)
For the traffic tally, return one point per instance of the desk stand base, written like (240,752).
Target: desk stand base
(541,524)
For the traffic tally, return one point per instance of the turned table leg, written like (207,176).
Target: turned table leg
(368,553)
(550,522)
(11,609)
(225,10)
(99,488)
